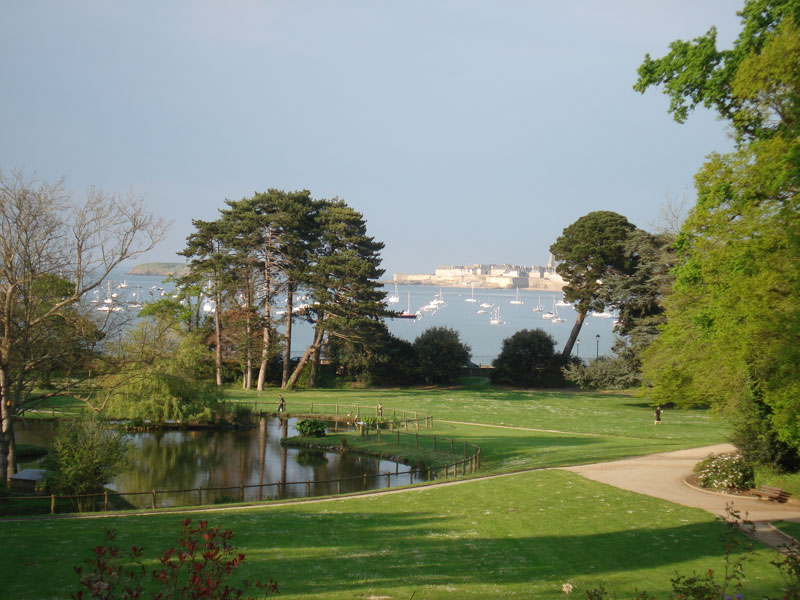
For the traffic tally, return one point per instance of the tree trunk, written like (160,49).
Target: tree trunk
(267,330)
(247,380)
(218,333)
(318,335)
(576,329)
(312,376)
(287,350)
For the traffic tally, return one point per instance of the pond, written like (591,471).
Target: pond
(194,461)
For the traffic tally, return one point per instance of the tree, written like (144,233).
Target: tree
(696,72)
(86,455)
(53,251)
(347,300)
(588,251)
(732,320)
(528,358)
(440,355)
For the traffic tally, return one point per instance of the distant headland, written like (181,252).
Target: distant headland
(161,269)
(488,276)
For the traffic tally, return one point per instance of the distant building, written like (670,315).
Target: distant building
(488,275)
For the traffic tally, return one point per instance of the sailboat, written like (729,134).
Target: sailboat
(539,307)
(394,298)
(556,318)
(472,297)
(496,320)
(407,314)
(517,300)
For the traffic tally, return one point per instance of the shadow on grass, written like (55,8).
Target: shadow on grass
(391,550)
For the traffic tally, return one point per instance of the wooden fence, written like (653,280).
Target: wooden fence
(468,461)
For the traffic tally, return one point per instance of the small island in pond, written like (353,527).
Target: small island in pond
(160,268)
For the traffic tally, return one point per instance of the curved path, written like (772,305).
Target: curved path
(663,476)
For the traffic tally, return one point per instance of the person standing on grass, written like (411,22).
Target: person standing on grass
(380,409)
(281,404)
(658,415)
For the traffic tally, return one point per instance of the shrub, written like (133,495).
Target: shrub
(440,355)
(198,567)
(528,358)
(728,472)
(311,428)
(86,455)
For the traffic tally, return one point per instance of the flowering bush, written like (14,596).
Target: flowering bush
(727,472)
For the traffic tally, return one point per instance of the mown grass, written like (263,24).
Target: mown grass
(517,536)
(521,429)
(522,535)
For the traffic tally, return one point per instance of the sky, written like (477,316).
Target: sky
(464,131)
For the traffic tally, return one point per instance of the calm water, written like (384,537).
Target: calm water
(484,339)
(187,460)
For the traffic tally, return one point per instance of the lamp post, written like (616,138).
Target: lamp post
(578,346)
(597,337)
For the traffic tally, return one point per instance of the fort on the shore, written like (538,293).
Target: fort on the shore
(488,276)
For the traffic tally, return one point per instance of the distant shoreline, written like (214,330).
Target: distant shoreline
(161,269)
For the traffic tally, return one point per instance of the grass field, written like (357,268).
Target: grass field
(518,536)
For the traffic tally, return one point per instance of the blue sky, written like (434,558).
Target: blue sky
(464,131)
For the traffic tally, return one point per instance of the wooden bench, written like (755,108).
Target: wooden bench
(772,493)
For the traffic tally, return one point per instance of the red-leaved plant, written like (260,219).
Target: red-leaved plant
(198,568)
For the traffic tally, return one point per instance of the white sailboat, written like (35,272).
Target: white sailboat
(496,320)
(394,298)
(539,307)
(472,297)
(556,318)
(517,300)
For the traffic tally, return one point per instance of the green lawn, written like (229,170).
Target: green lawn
(522,535)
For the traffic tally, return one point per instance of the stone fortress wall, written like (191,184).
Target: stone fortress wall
(488,276)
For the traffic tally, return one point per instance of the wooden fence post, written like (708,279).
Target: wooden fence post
(339,486)
(308,488)
(278,489)
(154,498)
(388,479)
(451,446)
(52,504)
(434,443)
(105,500)
(365,481)
(241,492)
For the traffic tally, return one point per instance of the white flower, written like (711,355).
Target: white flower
(567,588)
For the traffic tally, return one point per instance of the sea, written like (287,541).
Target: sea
(483,317)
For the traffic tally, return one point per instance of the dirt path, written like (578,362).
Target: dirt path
(663,476)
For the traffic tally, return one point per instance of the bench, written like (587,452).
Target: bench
(772,493)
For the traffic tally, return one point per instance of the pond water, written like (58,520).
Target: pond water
(190,460)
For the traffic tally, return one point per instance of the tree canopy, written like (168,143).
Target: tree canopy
(732,319)
(588,251)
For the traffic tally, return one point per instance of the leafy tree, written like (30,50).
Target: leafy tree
(528,358)
(169,375)
(440,355)
(375,356)
(53,252)
(696,72)
(588,251)
(86,455)
(343,281)
(732,319)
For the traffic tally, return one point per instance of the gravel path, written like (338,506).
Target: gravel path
(663,476)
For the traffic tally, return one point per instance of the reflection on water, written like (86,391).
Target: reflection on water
(191,460)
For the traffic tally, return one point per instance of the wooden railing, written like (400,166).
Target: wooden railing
(468,461)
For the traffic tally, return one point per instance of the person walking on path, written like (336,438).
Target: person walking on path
(658,415)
